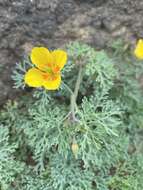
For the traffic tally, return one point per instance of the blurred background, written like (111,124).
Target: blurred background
(53,23)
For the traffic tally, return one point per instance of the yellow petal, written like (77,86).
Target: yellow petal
(41,57)
(139,49)
(53,82)
(59,58)
(34,78)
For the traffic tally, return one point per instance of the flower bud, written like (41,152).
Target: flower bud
(75,149)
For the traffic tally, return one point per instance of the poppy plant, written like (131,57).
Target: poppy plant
(47,70)
(139,49)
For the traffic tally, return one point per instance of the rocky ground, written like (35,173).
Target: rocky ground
(27,23)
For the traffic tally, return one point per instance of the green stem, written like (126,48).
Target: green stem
(75,93)
(77,85)
(73,107)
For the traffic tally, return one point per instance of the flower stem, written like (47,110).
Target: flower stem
(75,94)
(77,85)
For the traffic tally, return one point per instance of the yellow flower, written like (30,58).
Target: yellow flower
(47,70)
(139,49)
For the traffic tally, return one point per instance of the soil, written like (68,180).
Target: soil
(52,23)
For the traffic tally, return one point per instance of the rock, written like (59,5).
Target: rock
(27,23)
(44,4)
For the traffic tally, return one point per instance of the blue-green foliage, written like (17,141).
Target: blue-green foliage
(9,167)
(37,132)
(18,73)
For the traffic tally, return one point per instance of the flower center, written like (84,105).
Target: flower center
(53,70)
(56,69)
(50,76)
(45,76)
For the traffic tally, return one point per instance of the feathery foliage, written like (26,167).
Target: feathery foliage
(47,142)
